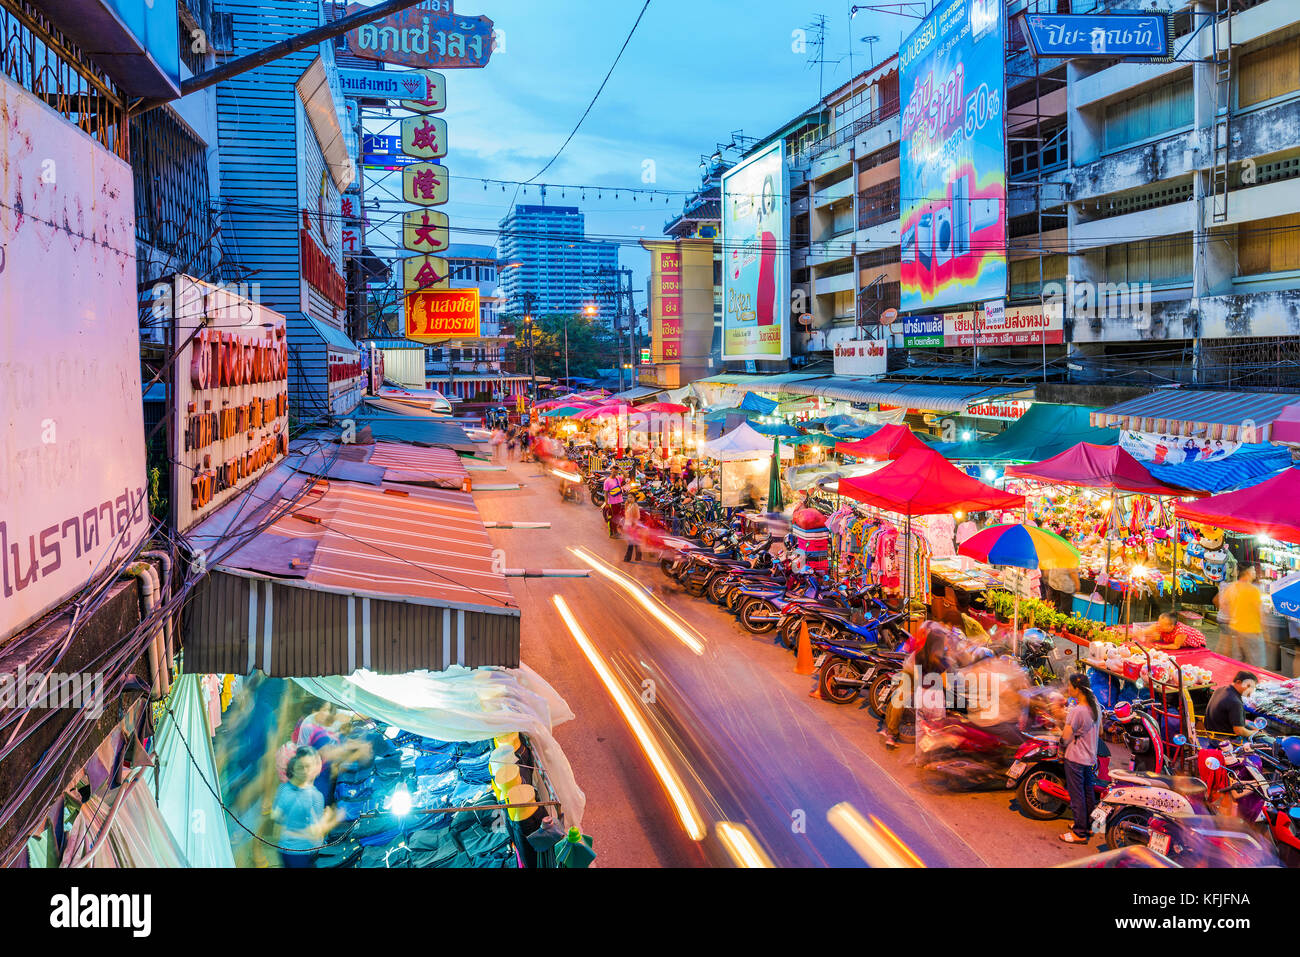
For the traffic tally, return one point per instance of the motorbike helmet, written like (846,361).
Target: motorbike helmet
(1123,711)
(790,541)
(1291,748)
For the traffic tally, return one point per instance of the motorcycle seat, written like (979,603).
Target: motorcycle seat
(1187,786)
(858,644)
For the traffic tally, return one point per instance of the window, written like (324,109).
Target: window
(1160,110)
(1270,72)
(877,204)
(1051,151)
(1024,274)
(1268,245)
(1164,261)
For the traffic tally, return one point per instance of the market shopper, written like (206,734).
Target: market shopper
(1226,712)
(1080,736)
(1170,634)
(923,668)
(613,488)
(300,811)
(1241,609)
(1062,585)
(632,530)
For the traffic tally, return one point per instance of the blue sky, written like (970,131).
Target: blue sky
(694,71)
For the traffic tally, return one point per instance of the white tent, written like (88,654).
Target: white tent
(742,442)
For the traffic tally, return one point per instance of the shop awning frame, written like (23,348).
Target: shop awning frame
(1203,413)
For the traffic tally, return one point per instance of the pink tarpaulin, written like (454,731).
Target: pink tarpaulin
(1286,427)
(887,443)
(1095,466)
(922,482)
(1270,508)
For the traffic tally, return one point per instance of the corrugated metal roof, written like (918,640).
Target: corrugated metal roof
(1204,413)
(391,577)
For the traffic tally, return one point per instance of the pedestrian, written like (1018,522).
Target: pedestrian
(299,809)
(632,529)
(1062,584)
(1241,611)
(921,671)
(512,442)
(497,440)
(1080,736)
(613,488)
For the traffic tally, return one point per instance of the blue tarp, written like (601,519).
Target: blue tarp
(1042,432)
(1249,465)
(756,403)
(776,429)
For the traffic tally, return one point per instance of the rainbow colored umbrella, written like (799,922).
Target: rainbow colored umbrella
(1020,546)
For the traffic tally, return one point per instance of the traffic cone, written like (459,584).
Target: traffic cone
(803,663)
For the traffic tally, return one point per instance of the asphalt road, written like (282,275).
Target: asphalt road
(727,739)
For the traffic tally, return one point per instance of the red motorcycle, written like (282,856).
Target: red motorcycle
(1038,775)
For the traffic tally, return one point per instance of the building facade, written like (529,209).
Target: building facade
(560,270)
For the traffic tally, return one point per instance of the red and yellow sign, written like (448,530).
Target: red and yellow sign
(425,184)
(433,315)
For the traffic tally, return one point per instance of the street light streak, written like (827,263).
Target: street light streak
(875,843)
(741,845)
(567,476)
(686,812)
(638,593)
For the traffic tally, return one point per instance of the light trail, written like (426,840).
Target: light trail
(741,845)
(654,607)
(875,843)
(672,784)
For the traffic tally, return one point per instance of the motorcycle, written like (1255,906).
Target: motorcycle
(1037,774)
(956,754)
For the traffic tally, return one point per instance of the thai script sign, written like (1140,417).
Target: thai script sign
(384,84)
(1139,35)
(862,357)
(433,315)
(73,494)
(425,37)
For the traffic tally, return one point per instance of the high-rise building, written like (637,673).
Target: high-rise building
(559,267)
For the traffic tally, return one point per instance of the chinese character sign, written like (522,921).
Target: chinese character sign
(953,157)
(424,137)
(425,184)
(424,230)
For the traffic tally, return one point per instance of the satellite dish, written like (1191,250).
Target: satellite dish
(806,319)
(888,316)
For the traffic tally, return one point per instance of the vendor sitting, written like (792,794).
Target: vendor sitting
(1170,634)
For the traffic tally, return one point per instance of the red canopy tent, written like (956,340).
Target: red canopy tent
(886,443)
(1286,427)
(923,482)
(1269,508)
(1096,466)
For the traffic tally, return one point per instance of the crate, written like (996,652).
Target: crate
(1085,607)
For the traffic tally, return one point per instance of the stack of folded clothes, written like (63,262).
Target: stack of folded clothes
(436,774)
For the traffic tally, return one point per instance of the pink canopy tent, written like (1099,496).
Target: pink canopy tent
(1286,427)
(568,401)
(1268,508)
(599,411)
(1096,466)
(923,482)
(886,443)
(664,408)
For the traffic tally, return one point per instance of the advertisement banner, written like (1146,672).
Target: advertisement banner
(1005,409)
(953,158)
(1174,449)
(73,485)
(756,258)
(1020,326)
(1137,35)
(861,357)
(433,315)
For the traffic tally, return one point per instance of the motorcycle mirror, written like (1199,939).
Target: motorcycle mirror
(1259,724)
(1213,764)
(1180,740)
(1294,814)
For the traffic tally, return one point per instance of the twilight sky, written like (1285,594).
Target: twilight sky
(694,71)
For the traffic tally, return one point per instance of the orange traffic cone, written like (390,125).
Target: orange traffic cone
(803,663)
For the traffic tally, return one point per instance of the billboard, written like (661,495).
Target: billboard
(756,258)
(73,484)
(861,357)
(1136,35)
(424,36)
(1014,326)
(953,158)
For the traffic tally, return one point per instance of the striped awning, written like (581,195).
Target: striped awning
(390,577)
(1203,413)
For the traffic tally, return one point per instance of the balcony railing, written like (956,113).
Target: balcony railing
(851,132)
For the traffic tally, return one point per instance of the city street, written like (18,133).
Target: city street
(738,724)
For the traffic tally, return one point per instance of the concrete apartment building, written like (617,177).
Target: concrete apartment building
(559,267)
(1114,180)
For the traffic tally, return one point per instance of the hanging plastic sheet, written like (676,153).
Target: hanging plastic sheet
(187,777)
(122,828)
(462,704)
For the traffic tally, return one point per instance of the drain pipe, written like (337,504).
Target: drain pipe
(148,578)
(168,588)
